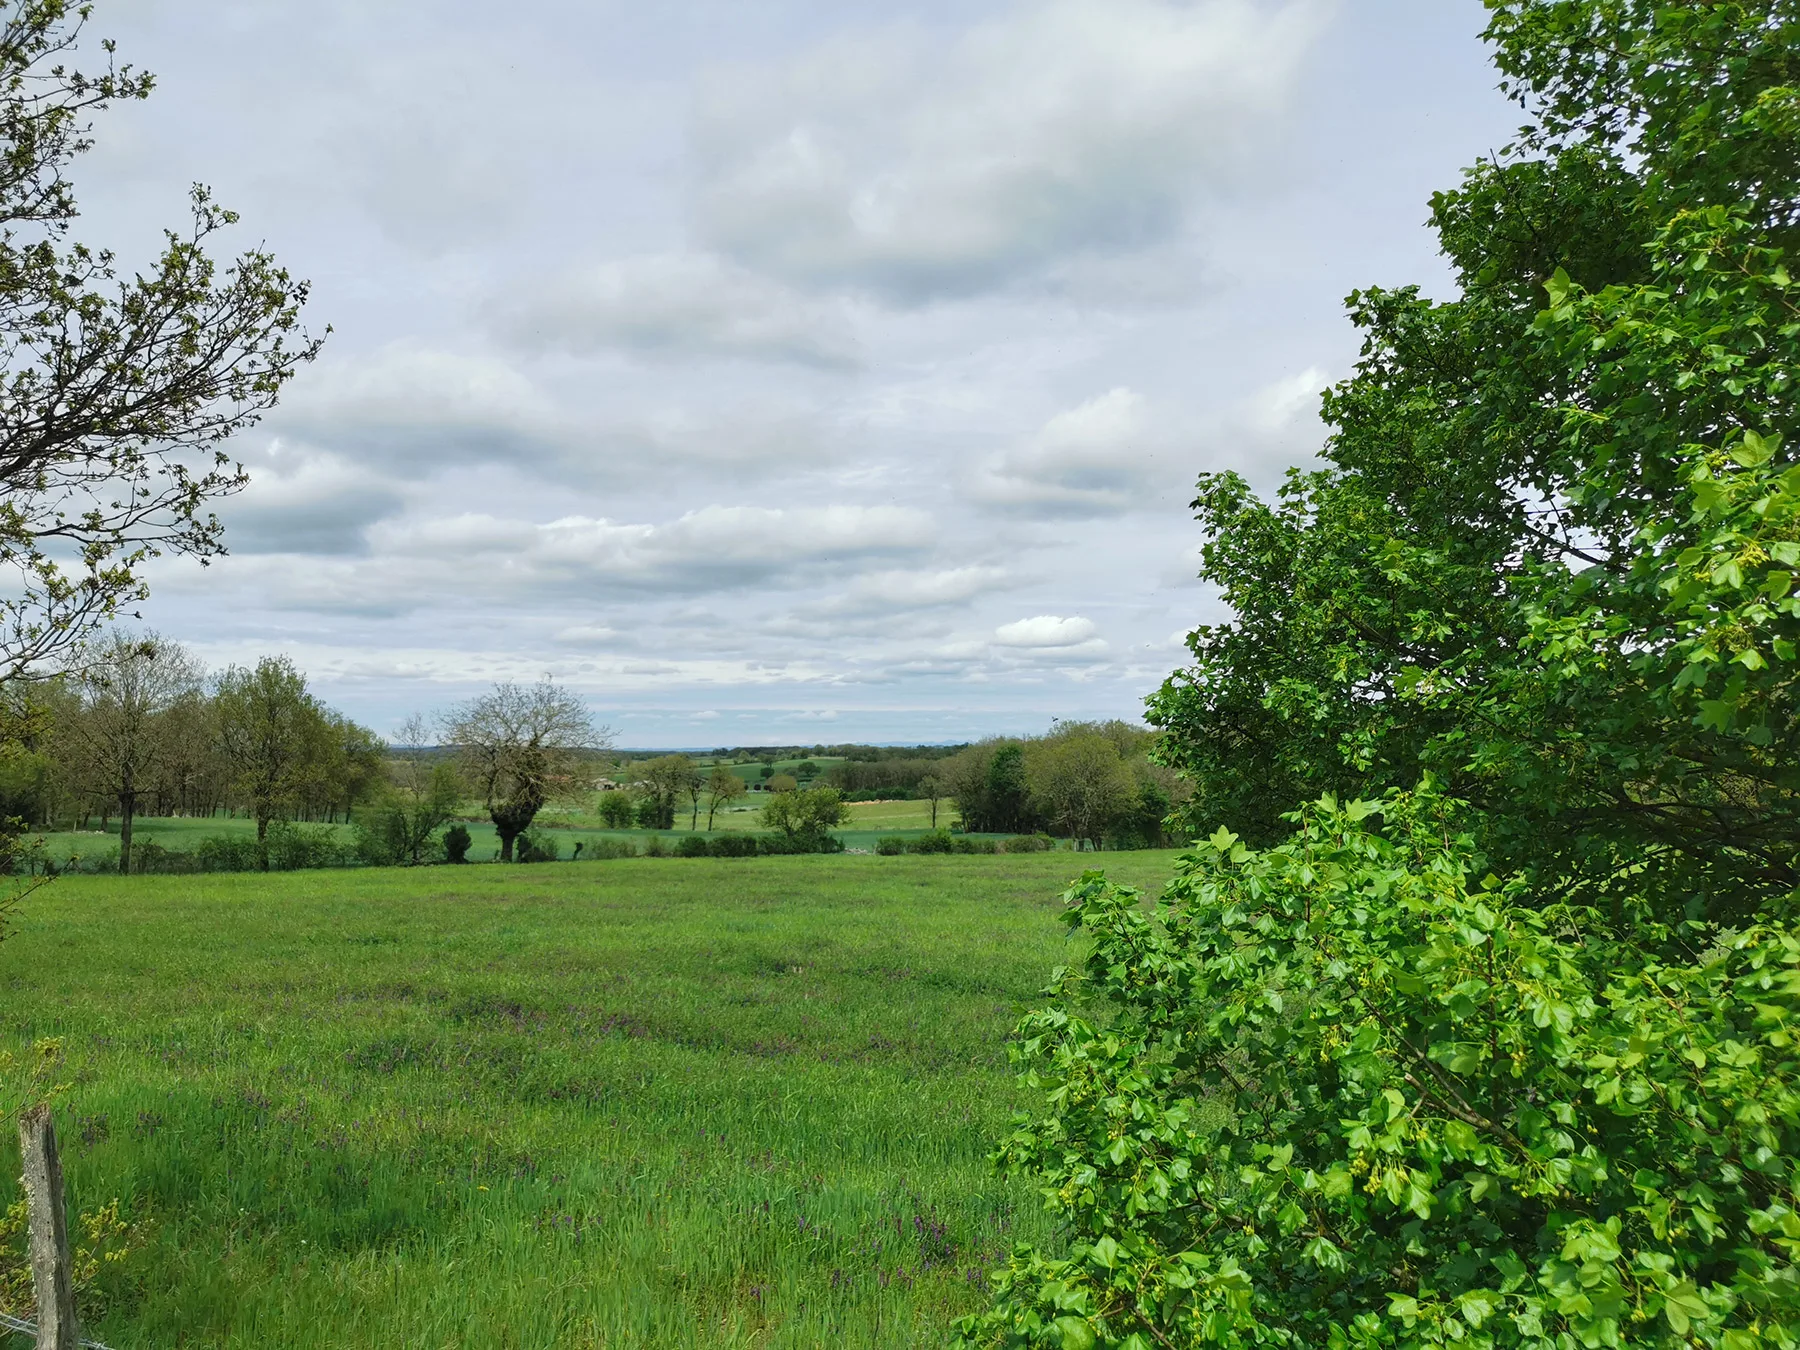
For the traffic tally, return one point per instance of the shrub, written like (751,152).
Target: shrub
(890,845)
(732,846)
(606,849)
(616,810)
(293,847)
(936,841)
(655,847)
(692,846)
(962,843)
(224,853)
(535,846)
(1355,1091)
(456,844)
(1028,843)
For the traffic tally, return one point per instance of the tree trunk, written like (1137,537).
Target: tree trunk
(127,809)
(262,842)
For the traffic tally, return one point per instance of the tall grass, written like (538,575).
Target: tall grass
(711,1103)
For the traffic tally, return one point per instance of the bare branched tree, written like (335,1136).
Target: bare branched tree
(523,746)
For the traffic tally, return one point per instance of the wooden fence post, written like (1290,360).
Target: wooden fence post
(52,1276)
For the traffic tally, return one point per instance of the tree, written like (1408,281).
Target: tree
(722,786)
(783,782)
(1477,583)
(123,731)
(1499,1050)
(1079,782)
(617,810)
(119,392)
(805,815)
(929,790)
(663,782)
(421,793)
(275,736)
(522,746)
(987,783)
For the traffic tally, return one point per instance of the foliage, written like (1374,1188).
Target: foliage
(279,740)
(1027,843)
(616,810)
(421,792)
(662,784)
(456,844)
(722,787)
(523,746)
(102,1242)
(538,846)
(805,814)
(1080,782)
(131,689)
(1356,1091)
(120,392)
(891,845)
(1547,560)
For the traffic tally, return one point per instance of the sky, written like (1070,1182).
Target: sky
(791,372)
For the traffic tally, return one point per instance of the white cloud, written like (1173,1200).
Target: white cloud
(1094,459)
(1066,128)
(1045,630)
(678,305)
(890,591)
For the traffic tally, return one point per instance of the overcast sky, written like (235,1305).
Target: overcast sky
(797,370)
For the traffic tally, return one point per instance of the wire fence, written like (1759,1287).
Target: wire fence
(24,1328)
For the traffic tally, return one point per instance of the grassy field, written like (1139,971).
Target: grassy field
(651,1102)
(869,821)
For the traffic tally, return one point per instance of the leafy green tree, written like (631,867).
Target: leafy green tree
(783,782)
(1478,583)
(1079,782)
(662,783)
(123,727)
(276,737)
(805,814)
(722,787)
(929,791)
(617,810)
(522,746)
(1506,1062)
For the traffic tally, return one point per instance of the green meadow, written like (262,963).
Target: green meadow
(869,821)
(660,1102)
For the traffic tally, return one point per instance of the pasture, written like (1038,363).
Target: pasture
(868,822)
(650,1102)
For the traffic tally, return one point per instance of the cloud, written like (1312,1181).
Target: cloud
(1094,459)
(1067,128)
(1043,631)
(302,501)
(897,590)
(489,559)
(677,305)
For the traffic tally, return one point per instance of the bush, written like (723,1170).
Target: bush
(535,846)
(656,847)
(616,810)
(732,846)
(1028,843)
(890,845)
(962,843)
(691,846)
(936,841)
(223,853)
(293,847)
(456,844)
(1355,1090)
(607,849)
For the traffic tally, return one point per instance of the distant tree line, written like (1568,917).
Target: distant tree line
(1091,782)
(140,728)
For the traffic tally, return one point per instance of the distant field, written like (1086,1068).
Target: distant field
(869,821)
(672,1103)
